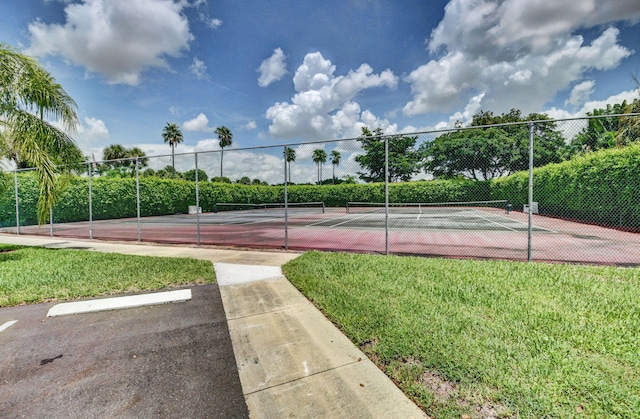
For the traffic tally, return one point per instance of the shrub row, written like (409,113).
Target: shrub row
(116,197)
(601,187)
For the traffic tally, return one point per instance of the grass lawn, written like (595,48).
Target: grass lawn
(483,338)
(34,274)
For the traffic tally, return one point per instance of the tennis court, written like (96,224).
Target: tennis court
(461,230)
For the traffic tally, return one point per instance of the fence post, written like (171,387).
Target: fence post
(286,202)
(197,200)
(386,195)
(90,202)
(530,209)
(138,197)
(15,178)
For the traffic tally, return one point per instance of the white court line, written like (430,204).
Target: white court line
(512,221)
(7,325)
(339,224)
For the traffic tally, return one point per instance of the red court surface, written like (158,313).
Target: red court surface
(484,233)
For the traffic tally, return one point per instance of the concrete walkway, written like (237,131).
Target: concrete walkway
(292,361)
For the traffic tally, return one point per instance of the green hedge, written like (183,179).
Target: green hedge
(601,187)
(116,197)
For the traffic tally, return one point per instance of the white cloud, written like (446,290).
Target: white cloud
(199,69)
(215,23)
(88,132)
(323,105)
(517,53)
(629,96)
(580,93)
(199,123)
(251,126)
(272,69)
(116,38)
(93,129)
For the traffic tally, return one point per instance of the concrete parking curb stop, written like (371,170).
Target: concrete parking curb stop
(115,303)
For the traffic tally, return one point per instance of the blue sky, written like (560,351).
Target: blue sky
(276,72)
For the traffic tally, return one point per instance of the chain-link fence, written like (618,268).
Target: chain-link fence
(552,190)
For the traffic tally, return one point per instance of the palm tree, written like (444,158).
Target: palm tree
(225,136)
(28,95)
(172,135)
(319,158)
(335,161)
(141,156)
(113,153)
(289,156)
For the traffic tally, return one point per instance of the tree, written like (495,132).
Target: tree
(172,135)
(289,156)
(118,156)
(114,155)
(170,172)
(138,154)
(490,151)
(219,179)
(191,175)
(335,161)
(28,96)
(319,158)
(477,154)
(403,158)
(244,180)
(225,138)
(608,131)
(549,146)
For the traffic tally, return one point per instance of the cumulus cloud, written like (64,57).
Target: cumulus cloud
(589,106)
(93,129)
(199,123)
(580,93)
(215,23)
(118,39)
(199,69)
(272,69)
(323,106)
(251,125)
(517,53)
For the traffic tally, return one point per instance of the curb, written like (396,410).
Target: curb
(115,303)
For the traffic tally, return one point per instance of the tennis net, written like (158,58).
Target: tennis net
(424,207)
(310,207)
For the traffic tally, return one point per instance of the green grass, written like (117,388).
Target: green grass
(508,338)
(34,275)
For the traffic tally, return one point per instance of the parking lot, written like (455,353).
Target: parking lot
(171,360)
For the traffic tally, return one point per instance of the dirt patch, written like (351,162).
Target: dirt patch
(441,389)
(446,392)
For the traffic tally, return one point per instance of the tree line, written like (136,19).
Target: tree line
(493,146)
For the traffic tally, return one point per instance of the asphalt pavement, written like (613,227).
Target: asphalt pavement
(163,361)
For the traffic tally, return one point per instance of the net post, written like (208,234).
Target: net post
(386,195)
(138,198)
(90,201)
(15,178)
(286,202)
(322,202)
(530,217)
(197,200)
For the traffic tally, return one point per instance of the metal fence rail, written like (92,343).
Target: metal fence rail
(434,194)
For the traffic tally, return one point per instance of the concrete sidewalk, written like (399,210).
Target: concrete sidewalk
(292,361)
